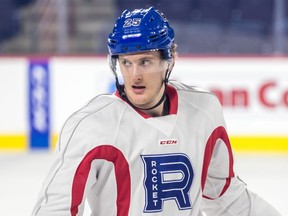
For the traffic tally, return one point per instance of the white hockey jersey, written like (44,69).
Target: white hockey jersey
(126,163)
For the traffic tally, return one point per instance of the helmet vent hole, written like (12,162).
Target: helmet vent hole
(112,42)
(154,37)
(163,34)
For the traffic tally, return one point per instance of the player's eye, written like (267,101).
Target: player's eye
(145,62)
(125,62)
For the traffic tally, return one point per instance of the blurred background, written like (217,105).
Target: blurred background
(207,27)
(53,61)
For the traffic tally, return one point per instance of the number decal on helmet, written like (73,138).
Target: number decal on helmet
(132,22)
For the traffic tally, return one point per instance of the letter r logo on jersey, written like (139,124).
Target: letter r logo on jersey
(167,177)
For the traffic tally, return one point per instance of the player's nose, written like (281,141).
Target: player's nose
(136,71)
(137,77)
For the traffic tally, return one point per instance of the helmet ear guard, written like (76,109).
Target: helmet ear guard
(112,62)
(113,66)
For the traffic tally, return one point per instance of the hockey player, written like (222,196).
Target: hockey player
(155,147)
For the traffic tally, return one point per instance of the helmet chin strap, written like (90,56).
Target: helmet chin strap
(122,92)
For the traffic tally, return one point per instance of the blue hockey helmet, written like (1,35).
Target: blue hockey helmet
(141,30)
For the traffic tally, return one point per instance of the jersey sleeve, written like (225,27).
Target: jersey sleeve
(84,155)
(75,141)
(224,193)
(55,195)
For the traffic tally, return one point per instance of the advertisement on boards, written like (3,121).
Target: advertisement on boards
(39,105)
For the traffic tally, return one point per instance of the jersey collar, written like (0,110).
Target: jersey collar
(173,99)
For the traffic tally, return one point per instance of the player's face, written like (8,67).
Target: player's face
(143,75)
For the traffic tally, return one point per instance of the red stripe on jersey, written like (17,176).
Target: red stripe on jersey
(218,133)
(122,174)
